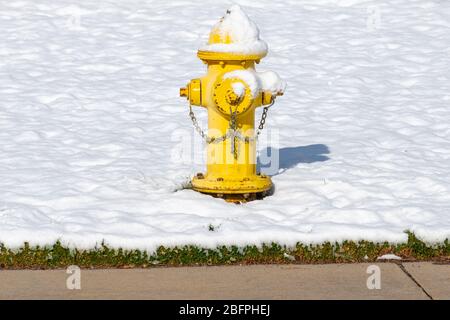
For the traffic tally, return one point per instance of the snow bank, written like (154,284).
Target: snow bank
(95,143)
(389,256)
(242,31)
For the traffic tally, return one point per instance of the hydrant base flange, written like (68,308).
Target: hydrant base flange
(247,185)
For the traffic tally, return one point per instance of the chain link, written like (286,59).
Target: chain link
(232,132)
(202,133)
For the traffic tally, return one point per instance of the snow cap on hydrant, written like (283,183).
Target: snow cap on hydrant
(236,34)
(231,91)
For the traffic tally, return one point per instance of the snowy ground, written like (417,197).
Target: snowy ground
(89,103)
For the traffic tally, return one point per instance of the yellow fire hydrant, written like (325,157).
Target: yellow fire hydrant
(231,90)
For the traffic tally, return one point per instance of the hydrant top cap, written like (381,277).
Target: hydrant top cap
(234,37)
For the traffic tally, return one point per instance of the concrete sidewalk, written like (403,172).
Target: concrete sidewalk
(333,281)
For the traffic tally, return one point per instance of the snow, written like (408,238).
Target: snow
(95,143)
(258,81)
(389,257)
(249,77)
(242,31)
(271,81)
(238,89)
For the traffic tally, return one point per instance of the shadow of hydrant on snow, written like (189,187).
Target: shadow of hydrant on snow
(273,161)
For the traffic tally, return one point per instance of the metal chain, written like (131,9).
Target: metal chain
(202,133)
(262,122)
(232,132)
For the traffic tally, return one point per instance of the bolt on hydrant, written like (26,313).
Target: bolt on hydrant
(231,90)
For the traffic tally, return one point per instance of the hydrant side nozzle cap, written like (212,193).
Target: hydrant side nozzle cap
(267,97)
